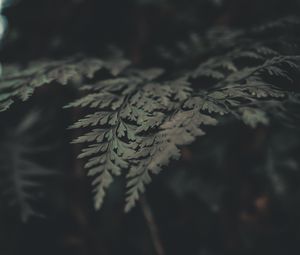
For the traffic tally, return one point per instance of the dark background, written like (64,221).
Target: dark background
(230,194)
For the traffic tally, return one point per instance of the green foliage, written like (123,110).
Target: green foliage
(136,120)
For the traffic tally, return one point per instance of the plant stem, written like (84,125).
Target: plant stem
(153,229)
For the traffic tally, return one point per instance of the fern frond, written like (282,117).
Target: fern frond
(129,114)
(180,129)
(21,174)
(141,119)
(20,83)
(249,88)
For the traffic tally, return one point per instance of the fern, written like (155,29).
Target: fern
(250,83)
(180,129)
(141,122)
(20,83)
(21,174)
(134,127)
(136,120)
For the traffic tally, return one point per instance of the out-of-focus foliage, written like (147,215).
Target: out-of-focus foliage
(21,171)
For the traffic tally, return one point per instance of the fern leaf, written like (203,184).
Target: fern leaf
(20,83)
(180,129)
(20,173)
(128,126)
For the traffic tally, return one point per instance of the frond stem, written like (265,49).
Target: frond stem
(153,229)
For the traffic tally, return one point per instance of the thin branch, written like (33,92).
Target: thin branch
(153,229)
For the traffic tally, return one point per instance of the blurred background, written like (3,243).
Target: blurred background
(233,194)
